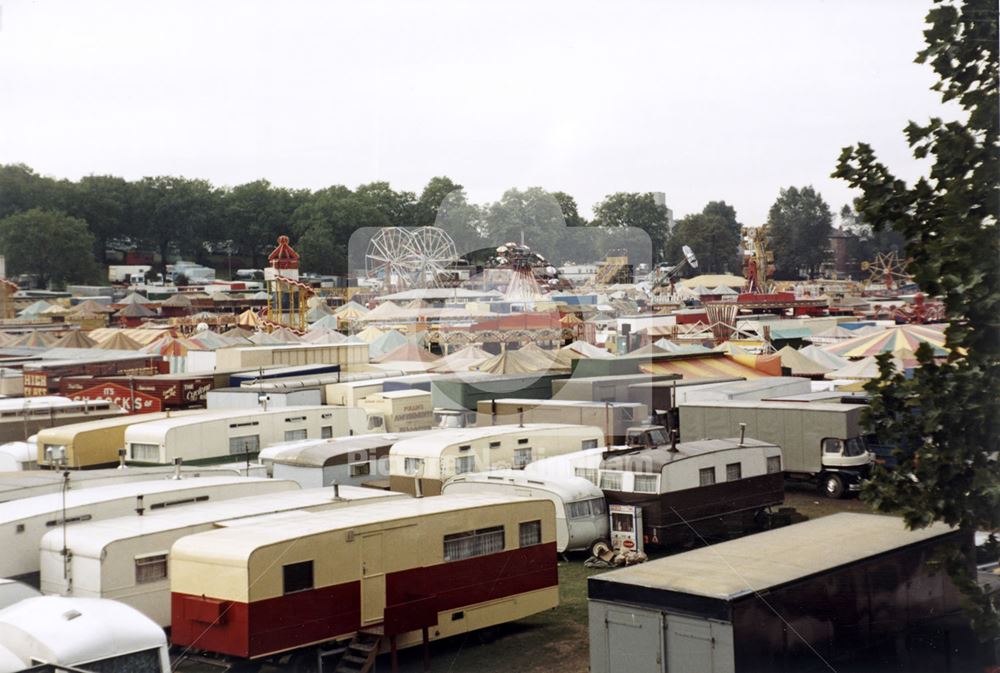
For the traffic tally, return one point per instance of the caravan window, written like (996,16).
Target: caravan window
(297,576)
(150,568)
(645,483)
(245,444)
(465,464)
(706,476)
(360,469)
(773,464)
(611,481)
(522,457)
(413,466)
(588,444)
(326,432)
(734,472)
(295,435)
(473,543)
(149,453)
(530,533)
(588,473)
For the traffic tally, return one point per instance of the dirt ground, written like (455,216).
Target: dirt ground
(557,640)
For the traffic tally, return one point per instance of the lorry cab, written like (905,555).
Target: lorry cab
(851,452)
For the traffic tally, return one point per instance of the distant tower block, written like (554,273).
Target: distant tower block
(286,295)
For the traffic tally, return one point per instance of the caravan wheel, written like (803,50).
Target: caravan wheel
(833,486)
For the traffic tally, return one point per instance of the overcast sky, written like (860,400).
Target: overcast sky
(701,100)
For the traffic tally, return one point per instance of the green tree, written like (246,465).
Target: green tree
(437,190)
(323,226)
(104,202)
(866,242)
(944,420)
(175,213)
(255,214)
(640,211)
(713,235)
(21,188)
(399,208)
(533,214)
(55,247)
(800,226)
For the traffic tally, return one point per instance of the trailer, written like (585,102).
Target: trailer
(251,398)
(352,460)
(23,522)
(851,592)
(350,393)
(466,391)
(18,456)
(27,484)
(22,417)
(44,377)
(253,357)
(88,634)
(235,435)
(143,394)
(824,443)
(90,444)
(581,512)
(12,592)
(613,417)
(125,558)
(254,376)
(381,576)
(420,466)
(399,411)
(693,489)
(607,388)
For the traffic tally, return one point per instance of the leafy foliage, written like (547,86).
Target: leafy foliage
(713,235)
(945,420)
(800,224)
(638,210)
(55,247)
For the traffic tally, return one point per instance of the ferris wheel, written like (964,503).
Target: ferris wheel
(887,270)
(400,258)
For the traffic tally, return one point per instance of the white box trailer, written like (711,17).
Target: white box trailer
(125,558)
(24,522)
(345,460)
(827,594)
(748,391)
(236,435)
(399,411)
(581,512)
(821,442)
(613,417)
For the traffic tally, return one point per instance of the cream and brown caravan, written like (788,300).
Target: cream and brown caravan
(383,575)
(420,466)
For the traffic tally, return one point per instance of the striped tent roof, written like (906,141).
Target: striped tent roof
(892,339)
(704,367)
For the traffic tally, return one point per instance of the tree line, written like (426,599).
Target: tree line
(61,230)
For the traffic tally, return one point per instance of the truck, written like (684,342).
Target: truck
(823,443)
(130,274)
(399,411)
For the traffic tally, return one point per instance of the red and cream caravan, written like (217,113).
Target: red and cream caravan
(449,564)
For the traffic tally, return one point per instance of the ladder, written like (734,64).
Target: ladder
(362,650)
